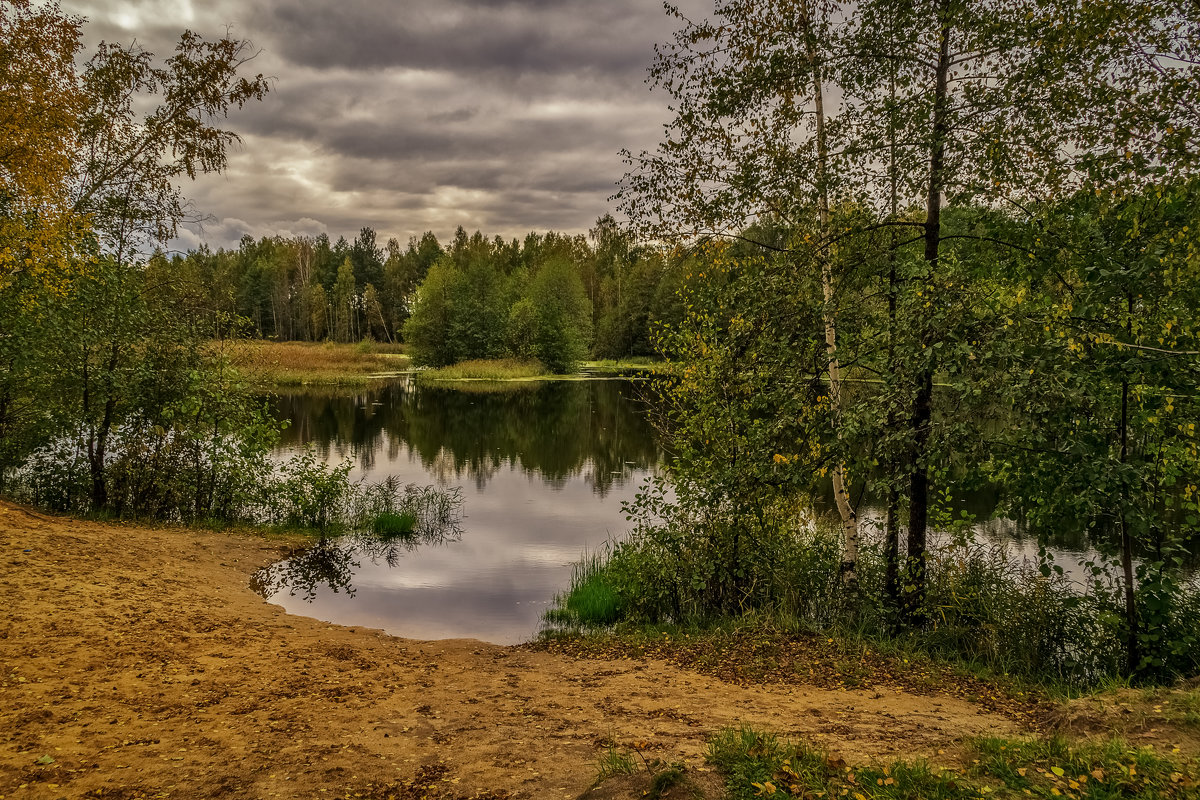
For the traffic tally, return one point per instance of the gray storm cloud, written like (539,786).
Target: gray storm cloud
(504,116)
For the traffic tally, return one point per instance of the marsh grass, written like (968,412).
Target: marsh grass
(301,363)
(504,369)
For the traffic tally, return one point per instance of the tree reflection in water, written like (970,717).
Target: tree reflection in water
(554,431)
(333,560)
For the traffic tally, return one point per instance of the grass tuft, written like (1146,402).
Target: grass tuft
(614,762)
(590,602)
(390,523)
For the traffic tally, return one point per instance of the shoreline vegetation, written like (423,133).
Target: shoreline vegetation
(297,364)
(507,369)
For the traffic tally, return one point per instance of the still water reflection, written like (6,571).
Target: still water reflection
(543,469)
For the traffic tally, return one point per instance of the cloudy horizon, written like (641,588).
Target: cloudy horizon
(504,116)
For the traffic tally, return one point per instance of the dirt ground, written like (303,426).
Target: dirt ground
(137,662)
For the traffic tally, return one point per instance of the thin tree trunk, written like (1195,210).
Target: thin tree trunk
(1132,643)
(892,522)
(922,406)
(840,494)
(98,443)
(383,323)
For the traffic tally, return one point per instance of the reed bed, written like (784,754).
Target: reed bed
(300,363)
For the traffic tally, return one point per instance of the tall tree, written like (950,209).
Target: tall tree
(128,163)
(345,303)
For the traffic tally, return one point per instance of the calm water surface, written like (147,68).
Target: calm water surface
(543,469)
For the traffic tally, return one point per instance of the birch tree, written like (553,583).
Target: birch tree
(751,141)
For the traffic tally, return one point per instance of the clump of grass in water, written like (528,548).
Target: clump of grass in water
(391,523)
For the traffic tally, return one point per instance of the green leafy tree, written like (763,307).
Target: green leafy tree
(1105,355)
(428,329)
(344,300)
(479,307)
(561,316)
(753,140)
(129,163)
(120,356)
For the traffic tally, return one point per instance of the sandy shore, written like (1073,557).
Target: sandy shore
(137,662)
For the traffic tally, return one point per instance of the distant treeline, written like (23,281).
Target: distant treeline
(549,295)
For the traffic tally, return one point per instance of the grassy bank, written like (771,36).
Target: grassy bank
(623,366)
(509,369)
(985,613)
(501,369)
(303,363)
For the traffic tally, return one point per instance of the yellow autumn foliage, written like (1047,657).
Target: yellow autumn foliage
(40,100)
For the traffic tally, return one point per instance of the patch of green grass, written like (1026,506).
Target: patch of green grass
(594,602)
(665,780)
(390,523)
(590,602)
(622,366)
(1054,768)
(615,762)
(760,765)
(504,369)
(1175,706)
(757,764)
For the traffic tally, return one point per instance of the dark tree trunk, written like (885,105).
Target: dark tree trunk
(922,406)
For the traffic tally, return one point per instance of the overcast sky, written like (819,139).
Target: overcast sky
(415,115)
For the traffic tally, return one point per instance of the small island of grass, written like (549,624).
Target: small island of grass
(485,369)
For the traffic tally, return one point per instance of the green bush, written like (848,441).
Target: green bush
(308,493)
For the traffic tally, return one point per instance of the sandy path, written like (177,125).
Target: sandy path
(143,665)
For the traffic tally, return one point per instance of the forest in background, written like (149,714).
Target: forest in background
(551,297)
